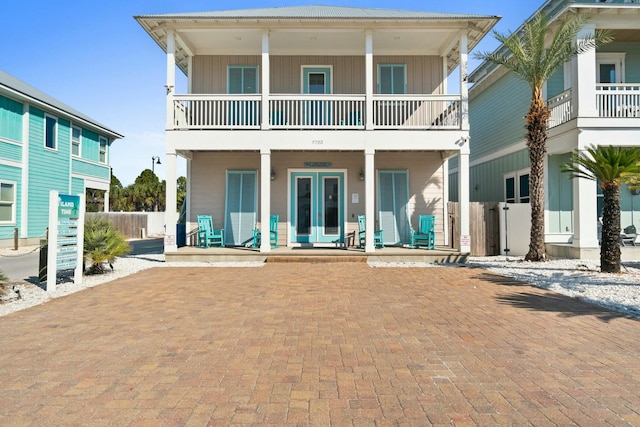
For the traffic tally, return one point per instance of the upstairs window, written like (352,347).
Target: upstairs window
(7,202)
(242,79)
(392,79)
(76,135)
(50,132)
(102,157)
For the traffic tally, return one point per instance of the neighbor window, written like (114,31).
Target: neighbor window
(242,79)
(392,79)
(516,187)
(50,130)
(7,202)
(76,135)
(103,149)
(523,188)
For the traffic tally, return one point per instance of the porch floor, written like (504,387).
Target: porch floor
(316,254)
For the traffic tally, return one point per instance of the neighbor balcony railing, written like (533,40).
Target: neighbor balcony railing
(316,112)
(561,107)
(618,100)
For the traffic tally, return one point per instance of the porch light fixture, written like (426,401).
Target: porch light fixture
(273,174)
(361,176)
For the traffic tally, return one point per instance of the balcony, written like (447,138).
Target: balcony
(620,100)
(318,112)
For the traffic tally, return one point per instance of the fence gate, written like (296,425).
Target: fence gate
(484,227)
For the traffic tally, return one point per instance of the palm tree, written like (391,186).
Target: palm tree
(534,54)
(610,166)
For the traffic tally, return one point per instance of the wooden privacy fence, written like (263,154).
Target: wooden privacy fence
(484,227)
(128,223)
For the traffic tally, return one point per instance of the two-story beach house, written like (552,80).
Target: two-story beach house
(594,100)
(44,145)
(317,114)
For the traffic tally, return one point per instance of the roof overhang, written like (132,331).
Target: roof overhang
(622,18)
(216,35)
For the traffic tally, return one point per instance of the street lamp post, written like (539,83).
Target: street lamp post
(155,160)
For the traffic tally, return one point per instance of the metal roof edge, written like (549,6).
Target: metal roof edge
(9,82)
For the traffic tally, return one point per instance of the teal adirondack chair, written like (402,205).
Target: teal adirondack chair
(273,233)
(425,235)
(207,235)
(378,242)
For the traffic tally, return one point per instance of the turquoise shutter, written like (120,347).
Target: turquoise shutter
(240,216)
(393,196)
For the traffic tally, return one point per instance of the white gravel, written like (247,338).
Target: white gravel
(575,278)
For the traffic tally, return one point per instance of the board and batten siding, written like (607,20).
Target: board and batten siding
(496,115)
(486,180)
(48,170)
(555,84)
(11,119)
(14,175)
(424,73)
(559,196)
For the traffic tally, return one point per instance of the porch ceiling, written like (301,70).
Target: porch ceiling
(215,36)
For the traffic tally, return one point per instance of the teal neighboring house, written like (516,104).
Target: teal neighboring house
(44,145)
(594,99)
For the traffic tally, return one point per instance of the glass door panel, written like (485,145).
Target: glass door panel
(303,206)
(317,207)
(331,206)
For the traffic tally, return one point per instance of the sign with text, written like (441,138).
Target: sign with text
(66,236)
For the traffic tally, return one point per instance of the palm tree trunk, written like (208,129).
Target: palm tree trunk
(610,246)
(536,126)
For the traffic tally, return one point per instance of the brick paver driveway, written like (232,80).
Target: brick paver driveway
(318,344)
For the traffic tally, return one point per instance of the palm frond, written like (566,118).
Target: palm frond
(607,164)
(531,57)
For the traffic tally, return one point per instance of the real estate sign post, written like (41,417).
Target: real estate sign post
(66,237)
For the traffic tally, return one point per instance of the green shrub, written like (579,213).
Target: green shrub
(102,243)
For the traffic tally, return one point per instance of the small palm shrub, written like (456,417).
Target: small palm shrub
(102,244)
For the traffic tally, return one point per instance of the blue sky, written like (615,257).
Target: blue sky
(93,56)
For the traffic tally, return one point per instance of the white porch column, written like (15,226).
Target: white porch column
(171,76)
(369,196)
(265,79)
(584,77)
(464,83)
(585,212)
(463,191)
(170,213)
(368,91)
(265,199)
(188,195)
(106,201)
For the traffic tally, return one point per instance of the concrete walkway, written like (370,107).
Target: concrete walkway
(318,344)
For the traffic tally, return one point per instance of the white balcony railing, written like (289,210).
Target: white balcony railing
(618,100)
(561,107)
(217,111)
(416,112)
(316,112)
